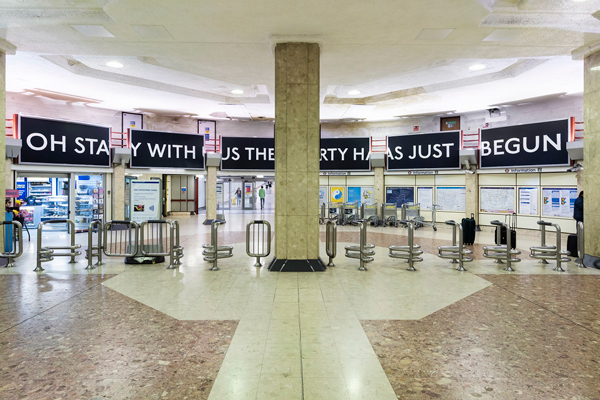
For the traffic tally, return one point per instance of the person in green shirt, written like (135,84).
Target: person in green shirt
(262,194)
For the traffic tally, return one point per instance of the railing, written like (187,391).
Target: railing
(502,252)
(154,237)
(119,139)
(258,240)
(470,140)
(577,131)
(212,252)
(545,252)
(364,251)
(331,242)
(412,252)
(45,254)
(12,235)
(457,252)
(212,145)
(90,254)
(580,244)
(11,125)
(379,145)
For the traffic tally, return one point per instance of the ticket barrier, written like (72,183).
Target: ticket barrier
(335,212)
(114,239)
(323,214)
(457,252)
(411,252)
(504,252)
(46,253)
(350,213)
(368,212)
(160,238)
(364,251)
(545,252)
(389,214)
(580,245)
(213,252)
(331,242)
(258,240)
(12,232)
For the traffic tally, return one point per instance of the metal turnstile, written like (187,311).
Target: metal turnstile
(389,214)
(369,213)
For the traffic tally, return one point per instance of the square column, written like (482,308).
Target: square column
(297,155)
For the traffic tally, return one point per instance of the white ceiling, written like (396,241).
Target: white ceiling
(405,57)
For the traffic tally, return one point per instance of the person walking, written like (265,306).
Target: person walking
(238,195)
(262,194)
(578,211)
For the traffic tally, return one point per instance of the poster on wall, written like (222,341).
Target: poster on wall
(336,194)
(144,200)
(424,151)
(527,145)
(367,195)
(354,195)
(322,194)
(207,128)
(400,195)
(528,200)
(451,198)
(497,200)
(55,142)
(157,149)
(131,121)
(345,154)
(425,197)
(558,202)
(244,153)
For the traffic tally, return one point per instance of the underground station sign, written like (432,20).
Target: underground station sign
(48,141)
(528,145)
(424,151)
(156,149)
(258,154)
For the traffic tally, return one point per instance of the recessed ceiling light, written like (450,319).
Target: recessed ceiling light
(114,64)
(477,67)
(354,92)
(237,91)
(93,30)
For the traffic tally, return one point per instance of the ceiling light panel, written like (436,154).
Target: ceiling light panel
(434,34)
(152,31)
(502,35)
(237,111)
(93,30)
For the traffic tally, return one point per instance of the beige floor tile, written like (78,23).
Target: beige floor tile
(282,350)
(278,388)
(282,367)
(325,389)
(329,367)
(234,388)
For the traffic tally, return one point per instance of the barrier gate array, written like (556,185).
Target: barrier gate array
(114,239)
(12,237)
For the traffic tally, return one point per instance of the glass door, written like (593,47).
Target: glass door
(44,198)
(89,200)
(248,196)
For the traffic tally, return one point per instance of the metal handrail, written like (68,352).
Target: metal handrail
(97,224)
(504,251)
(411,253)
(580,244)
(544,252)
(178,249)
(124,246)
(212,252)
(16,244)
(386,218)
(457,252)
(260,248)
(157,242)
(364,250)
(45,254)
(331,242)
(322,217)
(347,218)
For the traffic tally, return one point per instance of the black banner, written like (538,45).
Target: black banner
(424,151)
(528,145)
(47,141)
(346,154)
(154,149)
(243,153)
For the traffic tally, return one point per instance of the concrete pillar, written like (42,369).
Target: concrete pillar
(8,174)
(472,195)
(211,194)
(297,148)
(118,192)
(2,126)
(591,113)
(379,190)
(580,180)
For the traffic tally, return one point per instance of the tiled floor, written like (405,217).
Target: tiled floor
(145,332)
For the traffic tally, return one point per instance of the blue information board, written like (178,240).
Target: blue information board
(400,195)
(354,195)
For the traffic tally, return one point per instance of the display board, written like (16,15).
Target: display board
(354,195)
(451,198)
(424,151)
(323,195)
(558,202)
(527,145)
(345,154)
(157,149)
(367,195)
(497,199)
(360,194)
(144,200)
(244,153)
(336,194)
(425,197)
(55,142)
(528,200)
(400,195)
